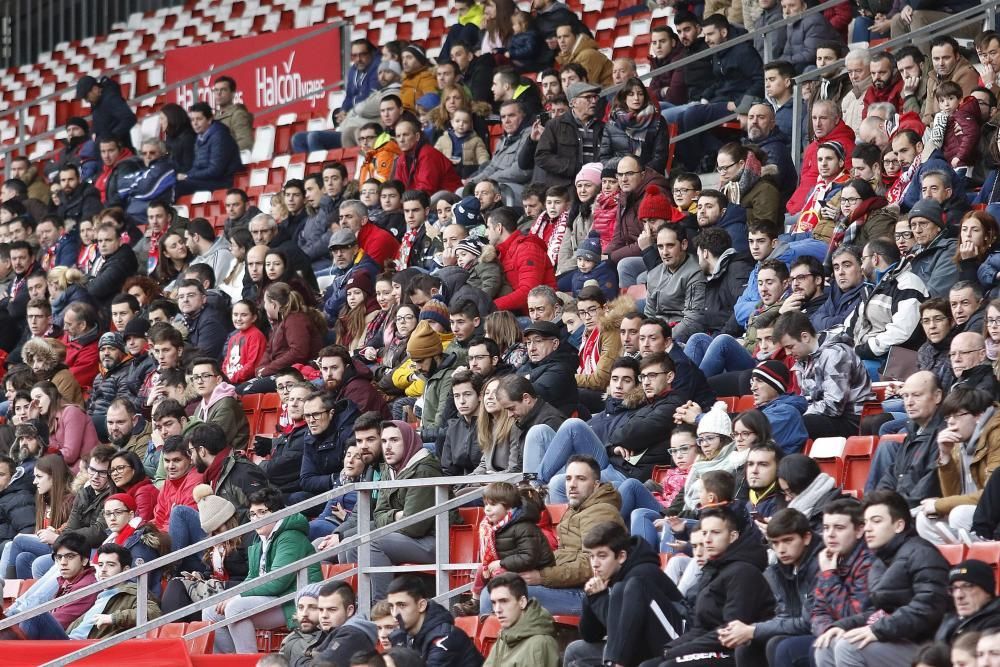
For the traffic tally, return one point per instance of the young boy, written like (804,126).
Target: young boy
(589,267)
(389,215)
(511,540)
(955,128)
(481,262)
(605,208)
(551,223)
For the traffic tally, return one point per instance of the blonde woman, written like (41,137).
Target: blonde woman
(498,440)
(66,285)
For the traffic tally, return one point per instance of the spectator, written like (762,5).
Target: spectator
(22,169)
(833,379)
(509,86)
(17,502)
(626,586)
(216,156)
(231,113)
(503,167)
(523,258)
(207,331)
(422,167)
(862,216)
(111,113)
(207,249)
(908,186)
(975,603)
(910,591)
(286,541)
(664,48)
(418,78)
(294,645)
(679,270)
(70,430)
(118,161)
(178,136)
(933,257)
(350,379)
(857,63)
(322,454)
(427,627)
(74,198)
(831,178)
(848,289)
(571,140)
(726,272)
(112,382)
(551,366)
(343,632)
(747,182)
(528,633)
(640,198)
(116,263)
(827,126)
(219,404)
(285,451)
(181,477)
(53,498)
(577,46)
(239,211)
(635,129)
(804,36)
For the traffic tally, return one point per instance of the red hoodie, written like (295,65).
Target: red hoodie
(244,350)
(809,172)
(175,492)
(525,262)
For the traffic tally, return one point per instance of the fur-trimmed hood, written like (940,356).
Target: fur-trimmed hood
(489,254)
(634,399)
(611,320)
(48,350)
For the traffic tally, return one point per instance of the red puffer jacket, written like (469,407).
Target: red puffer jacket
(427,169)
(961,135)
(525,262)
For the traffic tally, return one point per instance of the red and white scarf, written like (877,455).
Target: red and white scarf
(406,247)
(590,353)
(817,198)
(552,232)
(898,189)
(488,536)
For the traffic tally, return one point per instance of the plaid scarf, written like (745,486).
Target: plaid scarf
(406,247)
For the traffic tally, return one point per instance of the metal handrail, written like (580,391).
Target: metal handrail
(361,541)
(21,110)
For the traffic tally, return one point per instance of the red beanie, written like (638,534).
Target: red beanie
(655,205)
(124,498)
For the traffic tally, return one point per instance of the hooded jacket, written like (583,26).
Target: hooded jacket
(652,150)
(295,340)
(426,168)
(961,137)
(645,430)
(586,54)
(625,612)
(890,315)
(628,225)
(953,625)
(794,588)
(554,378)
(785,415)
(723,289)
(530,642)
(503,167)
(356,387)
(908,582)
(421,465)
(610,344)
(809,173)
(288,543)
(460,453)
(914,474)
(834,380)
(803,37)
(175,492)
(225,409)
(732,587)
(110,384)
(112,116)
(572,567)
(736,72)
(439,642)
(456,288)
(521,545)
(111,276)
(336,647)
(526,265)
(17,506)
(283,468)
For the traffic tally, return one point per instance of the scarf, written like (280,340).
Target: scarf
(807,501)
(814,205)
(406,247)
(20,282)
(412,442)
(846,230)
(86,257)
(747,179)
(636,124)
(154,252)
(215,467)
(488,535)
(126,532)
(898,189)
(590,353)
(757,496)
(552,232)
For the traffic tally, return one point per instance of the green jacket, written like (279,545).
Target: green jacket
(289,542)
(122,610)
(436,393)
(410,501)
(530,643)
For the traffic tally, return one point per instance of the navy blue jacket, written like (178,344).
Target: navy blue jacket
(323,454)
(734,221)
(112,115)
(336,294)
(156,181)
(785,415)
(736,72)
(216,159)
(361,84)
(779,153)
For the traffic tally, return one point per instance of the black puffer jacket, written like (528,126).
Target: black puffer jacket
(646,429)
(439,642)
(724,287)
(460,453)
(909,582)
(793,589)
(109,385)
(521,544)
(623,612)
(554,378)
(732,588)
(17,506)
(109,279)
(283,468)
(652,150)
(914,474)
(953,625)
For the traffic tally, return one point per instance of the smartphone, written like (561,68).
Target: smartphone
(544,117)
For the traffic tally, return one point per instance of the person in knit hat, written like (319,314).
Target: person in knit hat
(590,268)
(436,313)
(424,350)
(294,645)
(933,247)
(418,78)
(769,383)
(580,225)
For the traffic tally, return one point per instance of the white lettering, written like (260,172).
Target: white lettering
(274,87)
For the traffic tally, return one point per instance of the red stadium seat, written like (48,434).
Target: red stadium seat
(730,402)
(488,634)
(469,625)
(858,453)
(556,512)
(268,415)
(953,553)
(471,516)
(463,545)
(744,403)
(199,645)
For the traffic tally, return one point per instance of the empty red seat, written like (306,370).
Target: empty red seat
(953,553)
(556,512)
(858,453)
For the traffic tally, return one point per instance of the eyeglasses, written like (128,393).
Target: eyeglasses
(65,557)
(993,321)
(285,386)
(257,515)
(365,138)
(705,439)
(650,376)
(477,357)
(743,435)
(589,312)
(903,236)
(97,473)
(801,276)
(202,377)
(313,416)
(888,161)
(117,470)
(682,191)
(674,451)
(113,514)
(850,201)
(959,586)
(627,174)
(958,415)
(405,318)
(725,167)
(955,354)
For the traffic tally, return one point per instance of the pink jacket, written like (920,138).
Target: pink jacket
(74,436)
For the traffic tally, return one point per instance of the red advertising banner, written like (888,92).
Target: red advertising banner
(275,78)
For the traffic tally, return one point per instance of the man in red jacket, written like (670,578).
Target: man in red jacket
(827,126)
(80,334)
(181,475)
(376,242)
(421,166)
(523,257)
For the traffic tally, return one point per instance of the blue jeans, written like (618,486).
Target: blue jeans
(673,113)
(20,553)
(862,30)
(718,355)
(41,565)
(631,271)
(546,451)
(558,601)
(320,140)
(882,460)
(185,530)
(43,626)
(635,495)
(43,590)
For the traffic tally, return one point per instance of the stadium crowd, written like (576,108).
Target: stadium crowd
(564,298)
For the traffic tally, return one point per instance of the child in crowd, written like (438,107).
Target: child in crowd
(460,144)
(526,44)
(425,104)
(509,540)
(605,208)
(550,226)
(245,346)
(955,128)
(481,263)
(589,267)
(360,310)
